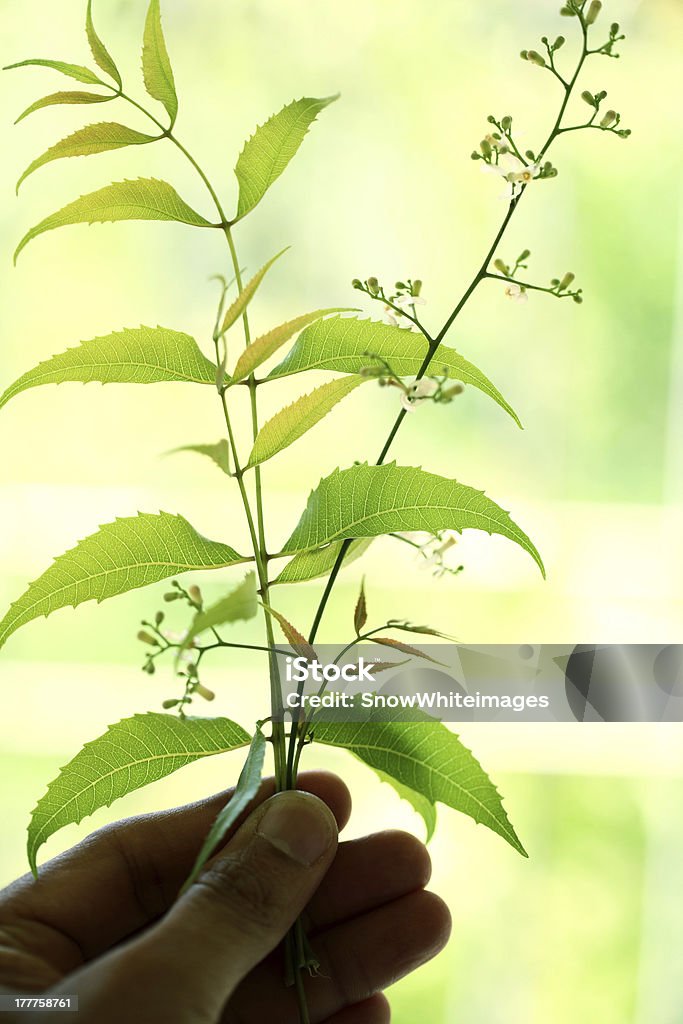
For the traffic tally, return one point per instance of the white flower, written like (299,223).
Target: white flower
(517,293)
(389,317)
(174,637)
(406,301)
(419,392)
(524,176)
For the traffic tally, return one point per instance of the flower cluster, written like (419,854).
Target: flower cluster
(501,155)
(399,304)
(518,291)
(438,389)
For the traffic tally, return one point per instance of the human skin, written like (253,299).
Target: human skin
(104,920)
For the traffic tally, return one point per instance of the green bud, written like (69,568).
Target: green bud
(196,594)
(559,43)
(147,638)
(524,54)
(475,155)
(400,286)
(588,98)
(485,147)
(602,95)
(168,704)
(535,58)
(593,11)
(356,283)
(491,119)
(373,285)
(555,282)
(506,123)
(500,265)
(578,299)
(417,288)
(159,618)
(614,29)
(624,133)
(567,12)
(566,281)
(204,692)
(149,668)
(609,119)
(172,595)
(525,255)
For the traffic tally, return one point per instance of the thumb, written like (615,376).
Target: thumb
(239,909)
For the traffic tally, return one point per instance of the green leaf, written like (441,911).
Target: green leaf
(76,71)
(219,453)
(424,807)
(56,99)
(360,614)
(398,645)
(143,355)
(368,501)
(103,58)
(94,138)
(246,789)
(292,422)
(121,556)
(312,565)
(156,66)
(143,199)
(240,604)
(430,760)
(247,294)
(343,343)
(265,346)
(294,637)
(267,153)
(131,754)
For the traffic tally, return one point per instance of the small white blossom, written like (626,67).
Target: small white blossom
(175,637)
(406,301)
(517,293)
(389,317)
(524,176)
(419,392)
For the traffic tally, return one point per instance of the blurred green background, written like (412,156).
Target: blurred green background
(586,929)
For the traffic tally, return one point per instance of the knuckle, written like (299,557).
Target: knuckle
(242,891)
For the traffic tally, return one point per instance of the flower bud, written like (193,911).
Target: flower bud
(609,119)
(196,594)
(524,54)
(373,285)
(593,11)
(503,267)
(566,281)
(356,283)
(614,29)
(567,12)
(525,255)
(475,155)
(172,595)
(204,692)
(168,704)
(535,58)
(506,123)
(149,668)
(159,618)
(578,299)
(147,638)
(417,288)
(485,147)
(588,98)
(559,43)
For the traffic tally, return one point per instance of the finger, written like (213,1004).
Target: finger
(375,1010)
(367,873)
(357,959)
(130,873)
(185,967)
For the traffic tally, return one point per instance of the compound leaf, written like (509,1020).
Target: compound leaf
(267,153)
(121,556)
(247,294)
(219,453)
(368,501)
(142,199)
(430,760)
(103,58)
(312,565)
(76,71)
(265,346)
(94,138)
(246,789)
(292,422)
(156,66)
(240,604)
(142,355)
(131,754)
(347,344)
(56,99)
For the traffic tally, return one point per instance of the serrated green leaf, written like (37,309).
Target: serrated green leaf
(292,422)
(156,66)
(56,99)
(368,501)
(424,807)
(247,294)
(131,754)
(240,604)
(268,344)
(342,344)
(219,453)
(267,153)
(76,71)
(360,614)
(143,199)
(294,637)
(398,645)
(143,355)
(246,789)
(103,58)
(121,556)
(429,759)
(94,138)
(313,565)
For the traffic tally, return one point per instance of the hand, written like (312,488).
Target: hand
(103,921)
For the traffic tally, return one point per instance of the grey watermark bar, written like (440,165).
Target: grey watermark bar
(38,1003)
(492,683)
